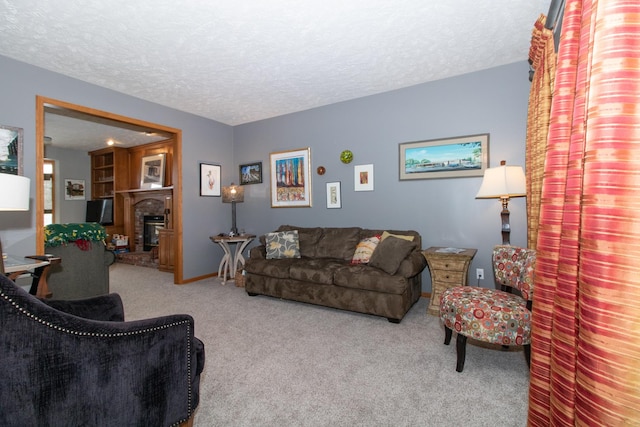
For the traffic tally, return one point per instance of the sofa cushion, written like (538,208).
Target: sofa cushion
(390,253)
(365,248)
(308,238)
(318,270)
(283,244)
(278,268)
(367,278)
(338,243)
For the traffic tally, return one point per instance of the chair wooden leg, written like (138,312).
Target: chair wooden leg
(527,354)
(461,350)
(187,423)
(447,335)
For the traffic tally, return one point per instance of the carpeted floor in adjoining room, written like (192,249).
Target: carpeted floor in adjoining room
(271,362)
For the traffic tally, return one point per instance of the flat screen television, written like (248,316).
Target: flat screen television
(100,211)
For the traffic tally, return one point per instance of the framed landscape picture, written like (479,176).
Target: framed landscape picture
(457,157)
(291,178)
(251,173)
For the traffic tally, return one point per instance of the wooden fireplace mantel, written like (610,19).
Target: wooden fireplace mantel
(147,193)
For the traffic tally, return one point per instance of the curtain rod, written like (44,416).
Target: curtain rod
(555,8)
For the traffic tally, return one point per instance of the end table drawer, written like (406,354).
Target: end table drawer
(447,264)
(456,277)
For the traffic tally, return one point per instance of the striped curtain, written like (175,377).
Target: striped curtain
(542,58)
(585,365)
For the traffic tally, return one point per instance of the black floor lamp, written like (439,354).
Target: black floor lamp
(503,182)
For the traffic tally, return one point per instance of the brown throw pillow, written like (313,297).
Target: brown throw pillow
(389,254)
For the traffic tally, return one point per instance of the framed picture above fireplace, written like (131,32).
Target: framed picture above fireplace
(152,171)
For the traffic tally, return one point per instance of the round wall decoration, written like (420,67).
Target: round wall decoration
(321,170)
(346,157)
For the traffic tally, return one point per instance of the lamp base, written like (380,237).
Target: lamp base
(506,228)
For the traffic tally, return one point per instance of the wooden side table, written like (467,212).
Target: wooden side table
(448,269)
(229,262)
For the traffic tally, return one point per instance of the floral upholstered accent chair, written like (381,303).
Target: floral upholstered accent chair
(492,315)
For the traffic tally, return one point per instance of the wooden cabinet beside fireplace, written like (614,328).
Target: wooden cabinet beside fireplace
(165,249)
(110,174)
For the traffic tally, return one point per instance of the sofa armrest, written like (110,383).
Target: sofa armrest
(412,265)
(105,307)
(258,252)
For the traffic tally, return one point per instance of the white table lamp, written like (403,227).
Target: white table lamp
(14,196)
(503,182)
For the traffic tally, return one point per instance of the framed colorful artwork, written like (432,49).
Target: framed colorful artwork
(291,178)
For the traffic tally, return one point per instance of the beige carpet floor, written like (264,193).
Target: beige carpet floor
(271,362)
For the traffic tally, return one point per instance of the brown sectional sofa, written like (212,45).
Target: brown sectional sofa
(324,275)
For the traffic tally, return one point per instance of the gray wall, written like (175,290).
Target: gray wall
(444,211)
(70,164)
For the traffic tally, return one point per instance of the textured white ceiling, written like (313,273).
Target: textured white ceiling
(245,60)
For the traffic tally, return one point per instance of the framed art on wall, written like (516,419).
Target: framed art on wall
(152,171)
(291,178)
(363,178)
(74,189)
(457,157)
(210,179)
(334,198)
(11,150)
(251,173)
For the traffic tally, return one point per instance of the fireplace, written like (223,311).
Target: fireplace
(151,226)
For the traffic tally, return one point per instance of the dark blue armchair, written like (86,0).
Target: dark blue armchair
(78,363)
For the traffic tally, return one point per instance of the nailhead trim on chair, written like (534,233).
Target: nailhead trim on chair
(119,334)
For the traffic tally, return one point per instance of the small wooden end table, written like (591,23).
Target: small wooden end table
(229,262)
(449,268)
(38,266)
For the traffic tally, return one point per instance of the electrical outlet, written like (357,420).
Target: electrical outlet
(480,273)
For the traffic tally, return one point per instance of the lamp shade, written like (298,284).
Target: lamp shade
(14,192)
(502,182)
(232,193)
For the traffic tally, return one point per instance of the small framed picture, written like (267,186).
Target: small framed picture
(74,189)
(363,178)
(11,148)
(334,199)
(152,171)
(210,179)
(251,173)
